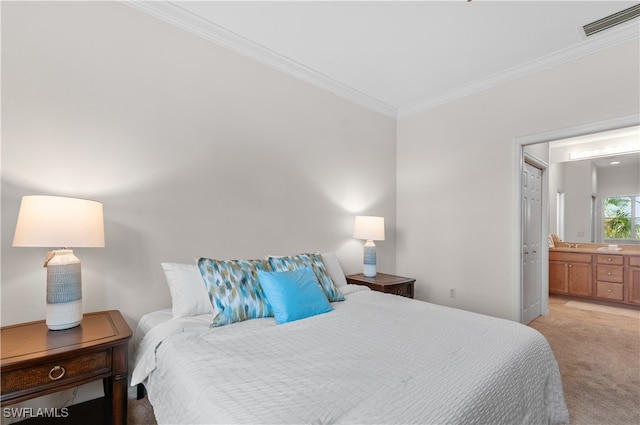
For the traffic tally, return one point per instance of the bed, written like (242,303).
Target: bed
(373,359)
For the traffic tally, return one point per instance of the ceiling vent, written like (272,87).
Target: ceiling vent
(612,20)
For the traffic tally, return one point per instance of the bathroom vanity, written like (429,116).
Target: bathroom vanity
(595,271)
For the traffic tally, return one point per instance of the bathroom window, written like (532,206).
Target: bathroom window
(622,218)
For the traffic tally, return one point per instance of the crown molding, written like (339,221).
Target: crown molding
(581,130)
(623,33)
(176,15)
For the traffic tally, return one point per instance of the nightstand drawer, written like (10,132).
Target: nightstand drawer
(57,373)
(405,290)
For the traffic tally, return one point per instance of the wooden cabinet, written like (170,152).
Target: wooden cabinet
(610,277)
(570,273)
(36,361)
(606,276)
(387,283)
(633,279)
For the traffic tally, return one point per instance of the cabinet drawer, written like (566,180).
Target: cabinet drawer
(571,257)
(403,289)
(57,372)
(610,259)
(610,273)
(634,261)
(610,291)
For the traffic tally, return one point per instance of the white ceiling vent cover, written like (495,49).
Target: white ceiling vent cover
(612,20)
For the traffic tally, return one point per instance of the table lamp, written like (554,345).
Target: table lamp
(370,229)
(53,221)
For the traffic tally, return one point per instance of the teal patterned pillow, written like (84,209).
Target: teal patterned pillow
(314,262)
(234,289)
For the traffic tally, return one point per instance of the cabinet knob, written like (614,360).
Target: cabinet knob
(609,259)
(609,291)
(609,273)
(56,373)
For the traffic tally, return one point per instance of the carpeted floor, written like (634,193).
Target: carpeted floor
(140,412)
(598,352)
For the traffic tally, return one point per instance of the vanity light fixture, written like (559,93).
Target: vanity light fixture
(605,151)
(53,221)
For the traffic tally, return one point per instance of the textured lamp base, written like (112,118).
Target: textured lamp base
(64,315)
(369,270)
(64,290)
(369,266)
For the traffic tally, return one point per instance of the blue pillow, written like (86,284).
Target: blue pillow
(234,291)
(293,294)
(315,263)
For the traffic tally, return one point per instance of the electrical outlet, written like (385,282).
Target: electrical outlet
(452,292)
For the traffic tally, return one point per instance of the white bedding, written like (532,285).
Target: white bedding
(376,358)
(148,322)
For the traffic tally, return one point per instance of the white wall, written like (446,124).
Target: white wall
(193,149)
(456,224)
(618,181)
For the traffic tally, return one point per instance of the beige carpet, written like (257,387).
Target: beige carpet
(140,412)
(598,351)
(602,308)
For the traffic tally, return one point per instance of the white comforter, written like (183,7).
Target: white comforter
(375,359)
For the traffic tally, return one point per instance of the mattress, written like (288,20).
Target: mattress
(376,358)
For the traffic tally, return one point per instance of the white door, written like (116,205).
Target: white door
(531,242)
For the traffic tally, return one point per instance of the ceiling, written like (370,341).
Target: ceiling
(399,57)
(629,160)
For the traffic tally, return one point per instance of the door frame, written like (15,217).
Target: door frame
(517,224)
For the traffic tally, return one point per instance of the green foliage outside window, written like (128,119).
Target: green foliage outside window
(621,217)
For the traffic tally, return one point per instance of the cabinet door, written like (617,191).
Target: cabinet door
(633,282)
(580,278)
(558,277)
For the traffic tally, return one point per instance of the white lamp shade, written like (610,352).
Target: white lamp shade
(54,221)
(369,228)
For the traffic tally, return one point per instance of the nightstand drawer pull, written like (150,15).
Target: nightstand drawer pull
(59,372)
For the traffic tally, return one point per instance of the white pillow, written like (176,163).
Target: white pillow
(189,295)
(334,269)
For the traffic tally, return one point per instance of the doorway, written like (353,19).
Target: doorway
(525,143)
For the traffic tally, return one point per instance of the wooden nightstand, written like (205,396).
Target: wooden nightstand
(386,283)
(36,361)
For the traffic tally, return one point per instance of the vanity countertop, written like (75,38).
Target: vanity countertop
(595,248)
